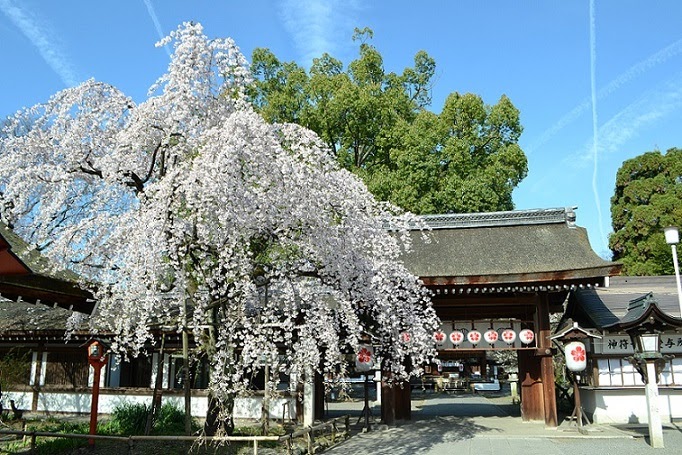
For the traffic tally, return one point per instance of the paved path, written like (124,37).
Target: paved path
(473,424)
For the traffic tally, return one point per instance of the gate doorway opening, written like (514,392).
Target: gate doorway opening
(468,384)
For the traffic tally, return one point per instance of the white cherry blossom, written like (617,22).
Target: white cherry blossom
(190,211)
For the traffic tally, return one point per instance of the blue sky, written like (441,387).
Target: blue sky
(596,82)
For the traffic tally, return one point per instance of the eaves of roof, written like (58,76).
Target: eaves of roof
(27,275)
(505,247)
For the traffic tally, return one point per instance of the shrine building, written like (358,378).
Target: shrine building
(496,278)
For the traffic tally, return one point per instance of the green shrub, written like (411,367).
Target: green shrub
(129,419)
(171,421)
(58,446)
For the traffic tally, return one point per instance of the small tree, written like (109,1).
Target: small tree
(190,210)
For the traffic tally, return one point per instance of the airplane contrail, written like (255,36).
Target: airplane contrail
(43,40)
(634,71)
(595,123)
(157,24)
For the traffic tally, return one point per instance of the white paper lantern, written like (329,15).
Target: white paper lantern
(526,336)
(439,337)
(576,356)
(491,336)
(508,336)
(457,337)
(364,359)
(474,337)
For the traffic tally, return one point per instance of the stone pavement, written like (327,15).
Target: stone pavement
(474,424)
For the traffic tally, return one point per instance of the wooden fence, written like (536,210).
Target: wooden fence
(308,433)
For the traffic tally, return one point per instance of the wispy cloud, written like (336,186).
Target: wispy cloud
(43,39)
(157,24)
(652,106)
(633,72)
(318,26)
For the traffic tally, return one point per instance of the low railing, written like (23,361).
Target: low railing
(309,433)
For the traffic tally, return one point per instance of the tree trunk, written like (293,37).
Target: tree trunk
(265,404)
(158,387)
(215,424)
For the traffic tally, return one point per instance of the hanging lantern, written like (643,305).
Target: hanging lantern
(576,356)
(508,336)
(474,337)
(457,337)
(439,337)
(364,360)
(526,336)
(491,336)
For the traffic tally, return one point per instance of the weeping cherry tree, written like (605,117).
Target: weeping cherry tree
(189,210)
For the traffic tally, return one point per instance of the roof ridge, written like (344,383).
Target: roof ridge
(504,218)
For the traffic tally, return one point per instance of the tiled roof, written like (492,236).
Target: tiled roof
(607,306)
(30,276)
(24,317)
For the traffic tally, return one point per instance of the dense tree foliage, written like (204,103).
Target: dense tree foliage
(648,198)
(190,211)
(465,159)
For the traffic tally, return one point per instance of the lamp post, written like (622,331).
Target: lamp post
(672,238)
(97,359)
(649,362)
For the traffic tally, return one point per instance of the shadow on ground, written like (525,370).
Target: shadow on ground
(436,419)
(417,436)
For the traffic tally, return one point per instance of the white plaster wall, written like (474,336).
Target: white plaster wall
(628,405)
(22,400)
(73,402)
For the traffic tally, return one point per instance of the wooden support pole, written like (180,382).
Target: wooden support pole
(544,344)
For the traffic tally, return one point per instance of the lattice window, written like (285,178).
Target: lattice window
(67,369)
(620,372)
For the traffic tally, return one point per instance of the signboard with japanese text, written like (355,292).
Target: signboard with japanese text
(671,343)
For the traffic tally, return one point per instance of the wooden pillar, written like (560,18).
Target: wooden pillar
(544,351)
(532,396)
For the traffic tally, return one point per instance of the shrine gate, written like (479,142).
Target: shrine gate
(496,278)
